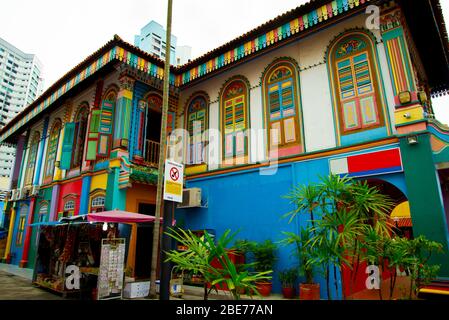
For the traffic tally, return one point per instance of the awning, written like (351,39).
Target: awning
(38,224)
(401,215)
(118,216)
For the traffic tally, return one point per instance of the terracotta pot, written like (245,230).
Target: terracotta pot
(309,291)
(264,288)
(288,293)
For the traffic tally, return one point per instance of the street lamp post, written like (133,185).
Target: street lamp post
(164,287)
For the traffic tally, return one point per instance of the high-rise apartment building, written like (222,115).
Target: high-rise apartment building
(20,84)
(152,39)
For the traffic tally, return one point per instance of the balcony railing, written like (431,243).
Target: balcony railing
(152,149)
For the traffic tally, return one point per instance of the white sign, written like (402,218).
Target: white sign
(373,281)
(73,280)
(173,182)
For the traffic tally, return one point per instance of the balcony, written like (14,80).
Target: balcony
(151,153)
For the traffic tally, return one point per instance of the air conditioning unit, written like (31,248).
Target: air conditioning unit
(191,198)
(34,191)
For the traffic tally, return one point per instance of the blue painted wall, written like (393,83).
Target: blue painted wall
(17,251)
(84,200)
(140,89)
(254,204)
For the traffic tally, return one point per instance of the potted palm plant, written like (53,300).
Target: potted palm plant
(288,278)
(264,254)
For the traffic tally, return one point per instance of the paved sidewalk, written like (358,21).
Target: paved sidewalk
(14,287)
(15,270)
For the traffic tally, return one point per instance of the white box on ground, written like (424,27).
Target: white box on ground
(137,289)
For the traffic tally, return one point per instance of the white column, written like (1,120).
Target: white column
(318,114)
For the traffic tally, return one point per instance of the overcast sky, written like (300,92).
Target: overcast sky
(63,33)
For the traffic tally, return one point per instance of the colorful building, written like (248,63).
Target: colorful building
(320,89)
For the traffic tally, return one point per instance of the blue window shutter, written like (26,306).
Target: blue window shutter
(67,146)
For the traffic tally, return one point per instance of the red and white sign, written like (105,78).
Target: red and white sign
(367,164)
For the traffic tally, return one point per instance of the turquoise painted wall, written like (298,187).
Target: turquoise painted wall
(44,195)
(364,136)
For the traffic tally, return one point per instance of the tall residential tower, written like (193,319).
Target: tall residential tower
(20,84)
(152,39)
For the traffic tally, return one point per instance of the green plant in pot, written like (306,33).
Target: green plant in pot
(264,255)
(307,260)
(288,278)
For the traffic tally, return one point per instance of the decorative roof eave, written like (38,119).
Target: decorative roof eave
(433,44)
(114,50)
(273,32)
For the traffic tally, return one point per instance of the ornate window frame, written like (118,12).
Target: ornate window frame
(52,150)
(289,115)
(348,58)
(81,131)
(197,143)
(68,211)
(23,212)
(232,96)
(42,214)
(32,157)
(96,194)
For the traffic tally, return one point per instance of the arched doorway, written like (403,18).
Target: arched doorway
(400,213)
(354,283)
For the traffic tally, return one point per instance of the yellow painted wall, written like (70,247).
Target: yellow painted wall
(415,113)
(196,169)
(99,182)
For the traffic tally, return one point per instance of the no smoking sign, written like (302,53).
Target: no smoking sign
(174,174)
(173,182)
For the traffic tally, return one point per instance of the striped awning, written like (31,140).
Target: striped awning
(400,215)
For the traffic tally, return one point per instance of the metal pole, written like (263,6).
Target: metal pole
(156,235)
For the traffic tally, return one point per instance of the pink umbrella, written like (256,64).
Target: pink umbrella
(118,216)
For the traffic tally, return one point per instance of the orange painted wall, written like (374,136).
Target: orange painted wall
(139,193)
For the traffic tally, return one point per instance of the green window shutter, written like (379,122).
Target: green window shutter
(67,145)
(92,138)
(105,128)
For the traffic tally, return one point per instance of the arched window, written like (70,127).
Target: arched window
(52,149)
(43,213)
(106,124)
(31,163)
(80,136)
(22,220)
(97,200)
(355,83)
(280,87)
(196,125)
(234,115)
(69,205)
(97,204)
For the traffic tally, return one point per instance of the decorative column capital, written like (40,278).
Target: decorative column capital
(126,82)
(390,19)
